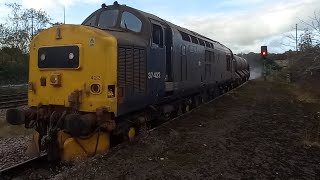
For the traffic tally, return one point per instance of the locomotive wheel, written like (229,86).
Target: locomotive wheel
(196,101)
(216,92)
(205,98)
(222,90)
(185,108)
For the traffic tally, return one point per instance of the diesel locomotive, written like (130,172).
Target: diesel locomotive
(110,78)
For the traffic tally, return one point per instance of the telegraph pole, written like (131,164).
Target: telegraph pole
(64,14)
(32,24)
(297,38)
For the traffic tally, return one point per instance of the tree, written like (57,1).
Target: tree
(305,44)
(21,26)
(314,28)
(309,39)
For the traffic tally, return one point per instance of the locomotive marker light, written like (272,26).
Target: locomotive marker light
(71,56)
(43,57)
(55,79)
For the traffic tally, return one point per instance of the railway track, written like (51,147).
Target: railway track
(27,167)
(15,100)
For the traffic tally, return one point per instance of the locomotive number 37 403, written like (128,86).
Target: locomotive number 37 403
(155,75)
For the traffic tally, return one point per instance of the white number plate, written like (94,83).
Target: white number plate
(156,75)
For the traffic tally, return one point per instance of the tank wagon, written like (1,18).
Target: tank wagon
(108,79)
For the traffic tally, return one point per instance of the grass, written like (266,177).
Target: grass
(308,95)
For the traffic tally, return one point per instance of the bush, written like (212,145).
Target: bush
(14,65)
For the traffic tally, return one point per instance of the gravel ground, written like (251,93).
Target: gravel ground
(13,143)
(13,150)
(258,132)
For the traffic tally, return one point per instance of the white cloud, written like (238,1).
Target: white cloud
(245,26)
(54,4)
(248,30)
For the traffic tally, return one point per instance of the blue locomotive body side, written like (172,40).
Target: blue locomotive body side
(163,62)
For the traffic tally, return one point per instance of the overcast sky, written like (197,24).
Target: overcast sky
(243,25)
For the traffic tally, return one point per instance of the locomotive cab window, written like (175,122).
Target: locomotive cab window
(91,21)
(108,18)
(130,22)
(157,35)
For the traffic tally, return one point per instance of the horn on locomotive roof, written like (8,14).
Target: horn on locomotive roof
(103,5)
(116,3)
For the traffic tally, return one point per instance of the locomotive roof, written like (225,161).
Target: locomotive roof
(151,16)
(217,45)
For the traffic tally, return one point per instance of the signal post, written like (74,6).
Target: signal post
(264,54)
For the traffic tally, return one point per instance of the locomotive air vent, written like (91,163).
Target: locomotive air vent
(132,69)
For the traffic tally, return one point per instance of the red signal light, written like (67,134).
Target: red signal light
(264,51)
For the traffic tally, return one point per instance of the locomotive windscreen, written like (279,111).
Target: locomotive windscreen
(106,19)
(58,57)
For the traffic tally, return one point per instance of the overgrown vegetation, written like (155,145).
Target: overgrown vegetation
(13,66)
(15,36)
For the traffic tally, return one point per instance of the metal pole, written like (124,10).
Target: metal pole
(64,15)
(264,69)
(32,24)
(296,38)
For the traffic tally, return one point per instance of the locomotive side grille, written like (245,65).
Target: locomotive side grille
(142,66)
(132,69)
(136,74)
(121,67)
(129,67)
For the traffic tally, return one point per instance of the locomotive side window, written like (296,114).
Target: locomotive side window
(108,18)
(194,40)
(208,44)
(185,36)
(157,35)
(131,22)
(201,42)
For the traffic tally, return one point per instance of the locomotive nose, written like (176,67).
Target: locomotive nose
(73,65)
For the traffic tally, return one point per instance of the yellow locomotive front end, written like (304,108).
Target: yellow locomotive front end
(72,94)
(73,66)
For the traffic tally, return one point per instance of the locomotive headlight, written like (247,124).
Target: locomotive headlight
(42,57)
(71,56)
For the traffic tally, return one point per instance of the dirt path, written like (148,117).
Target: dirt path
(256,132)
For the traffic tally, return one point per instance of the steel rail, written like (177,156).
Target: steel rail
(20,169)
